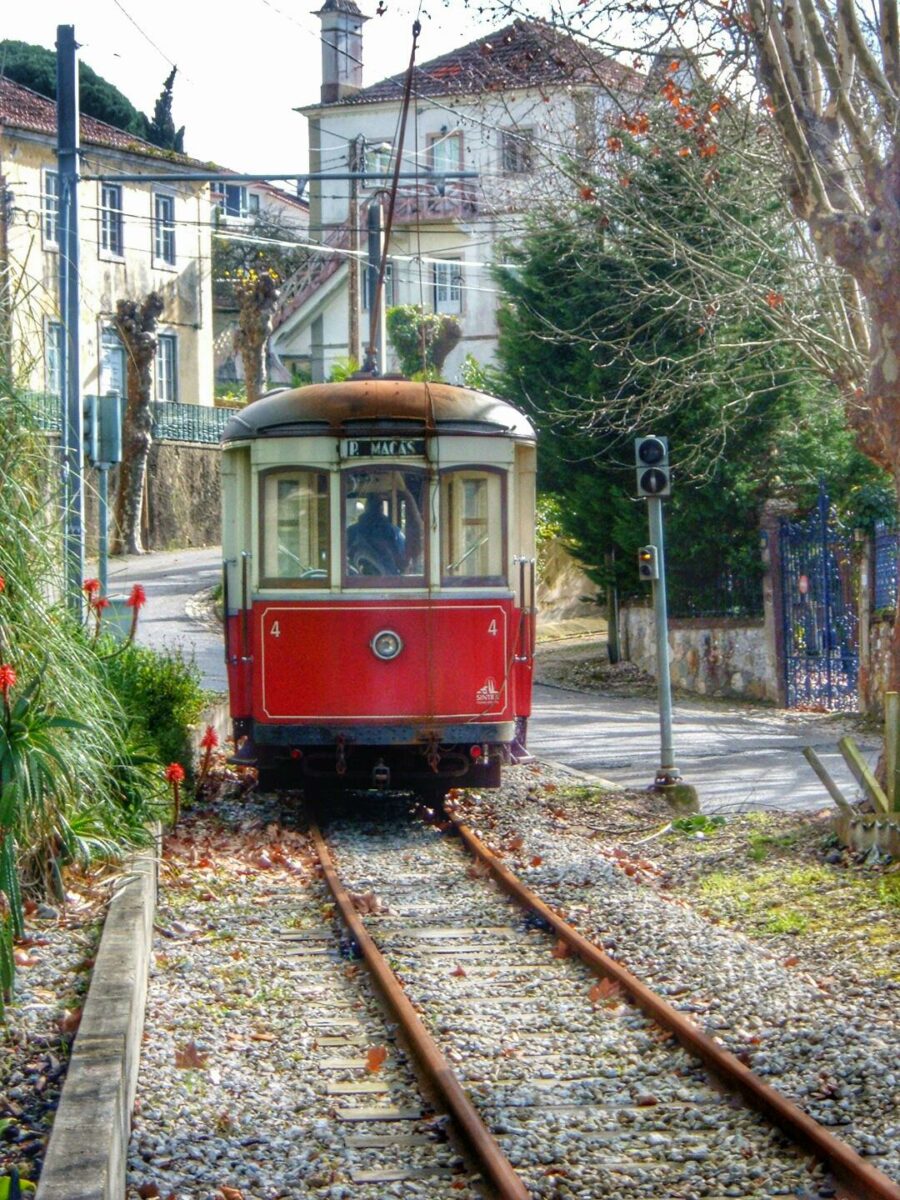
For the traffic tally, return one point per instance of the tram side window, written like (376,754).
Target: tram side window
(383,525)
(472,527)
(295,527)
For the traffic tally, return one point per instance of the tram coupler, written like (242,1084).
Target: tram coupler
(381,776)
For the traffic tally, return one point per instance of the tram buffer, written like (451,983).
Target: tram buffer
(651,458)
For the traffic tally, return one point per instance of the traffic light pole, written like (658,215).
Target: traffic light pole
(668,773)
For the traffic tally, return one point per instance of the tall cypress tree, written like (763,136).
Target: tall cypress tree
(161,130)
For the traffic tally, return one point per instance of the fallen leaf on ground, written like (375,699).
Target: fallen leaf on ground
(189,1058)
(561,949)
(604,989)
(458,971)
(536,861)
(230,1193)
(263,1035)
(515,843)
(23,959)
(147,1191)
(367,902)
(645,1100)
(375,1058)
(70,1020)
(791,961)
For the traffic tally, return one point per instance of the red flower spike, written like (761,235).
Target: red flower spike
(774,299)
(7,679)
(2,584)
(91,587)
(175,773)
(138,597)
(99,604)
(210,739)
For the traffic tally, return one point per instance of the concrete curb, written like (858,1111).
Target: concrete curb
(89,1141)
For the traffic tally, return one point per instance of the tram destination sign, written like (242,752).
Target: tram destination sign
(383,448)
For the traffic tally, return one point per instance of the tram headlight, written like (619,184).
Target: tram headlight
(386,645)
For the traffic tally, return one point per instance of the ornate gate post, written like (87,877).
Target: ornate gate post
(773,512)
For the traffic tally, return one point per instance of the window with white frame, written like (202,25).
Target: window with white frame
(445,153)
(230,199)
(50,208)
(253,204)
(111,232)
(112,363)
(167,368)
(53,358)
(164,228)
(517,151)
(378,162)
(448,286)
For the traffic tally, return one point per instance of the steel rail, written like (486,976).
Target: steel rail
(480,1141)
(865,1181)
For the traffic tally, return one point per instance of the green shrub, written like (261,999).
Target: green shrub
(162,696)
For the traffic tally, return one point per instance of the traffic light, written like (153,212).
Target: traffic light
(651,457)
(648,563)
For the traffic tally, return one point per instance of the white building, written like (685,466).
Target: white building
(135,237)
(510,107)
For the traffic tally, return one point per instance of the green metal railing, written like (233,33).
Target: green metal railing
(171,422)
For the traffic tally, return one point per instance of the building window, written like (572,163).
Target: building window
(112,364)
(517,151)
(167,368)
(111,219)
(53,358)
(164,229)
(230,199)
(378,162)
(448,286)
(445,153)
(253,204)
(50,208)
(371,279)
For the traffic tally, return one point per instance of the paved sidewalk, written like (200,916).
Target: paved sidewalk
(737,757)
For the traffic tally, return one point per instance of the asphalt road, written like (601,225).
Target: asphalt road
(737,757)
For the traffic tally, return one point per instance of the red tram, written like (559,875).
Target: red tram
(378,540)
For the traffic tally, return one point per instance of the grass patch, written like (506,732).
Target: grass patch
(787,921)
(698,823)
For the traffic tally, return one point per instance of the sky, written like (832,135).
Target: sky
(241,69)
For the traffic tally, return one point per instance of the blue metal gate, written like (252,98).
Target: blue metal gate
(821,645)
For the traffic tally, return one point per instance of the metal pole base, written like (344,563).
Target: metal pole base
(682,797)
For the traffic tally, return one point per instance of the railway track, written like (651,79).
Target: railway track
(582,1082)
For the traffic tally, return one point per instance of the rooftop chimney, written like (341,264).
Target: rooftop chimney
(342,24)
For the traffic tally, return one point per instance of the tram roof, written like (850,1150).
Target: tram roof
(390,406)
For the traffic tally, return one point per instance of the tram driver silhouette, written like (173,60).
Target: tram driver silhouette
(375,545)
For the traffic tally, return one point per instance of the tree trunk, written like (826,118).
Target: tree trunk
(136,324)
(258,296)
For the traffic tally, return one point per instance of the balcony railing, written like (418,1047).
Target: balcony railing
(455,201)
(171,422)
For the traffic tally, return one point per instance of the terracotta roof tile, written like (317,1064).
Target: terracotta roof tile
(523,54)
(22,108)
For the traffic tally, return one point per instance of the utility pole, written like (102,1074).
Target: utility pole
(72,416)
(377,305)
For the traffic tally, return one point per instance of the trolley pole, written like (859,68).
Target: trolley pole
(72,417)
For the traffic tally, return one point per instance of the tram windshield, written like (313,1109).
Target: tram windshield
(383,525)
(295,526)
(471,526)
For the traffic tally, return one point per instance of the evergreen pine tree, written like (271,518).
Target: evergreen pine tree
(161,130)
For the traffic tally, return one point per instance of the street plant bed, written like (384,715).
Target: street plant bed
(53,971)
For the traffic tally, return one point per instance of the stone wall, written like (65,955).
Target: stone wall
(712,656)
(182,506)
